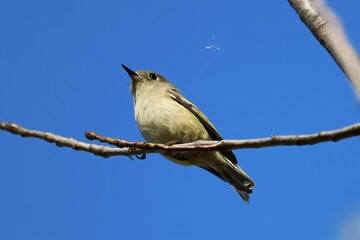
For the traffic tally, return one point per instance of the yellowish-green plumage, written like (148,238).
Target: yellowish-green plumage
(163,115)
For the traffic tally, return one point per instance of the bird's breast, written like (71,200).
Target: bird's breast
(162,120)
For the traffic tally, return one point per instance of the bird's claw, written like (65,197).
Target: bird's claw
(132,149)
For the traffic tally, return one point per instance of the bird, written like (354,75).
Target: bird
(164,115)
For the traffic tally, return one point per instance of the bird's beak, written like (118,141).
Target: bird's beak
(131,73)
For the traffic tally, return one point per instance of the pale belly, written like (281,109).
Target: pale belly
(160,124)
(173,122)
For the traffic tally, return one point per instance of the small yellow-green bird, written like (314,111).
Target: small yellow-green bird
(164,115)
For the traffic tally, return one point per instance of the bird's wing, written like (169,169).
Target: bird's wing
(214,134)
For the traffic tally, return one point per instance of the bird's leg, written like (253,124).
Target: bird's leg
(132,149)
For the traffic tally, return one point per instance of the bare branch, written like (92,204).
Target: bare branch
(323,24)
(131,148)
(60,141)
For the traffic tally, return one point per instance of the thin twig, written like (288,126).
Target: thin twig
(60,141)
(325,27)
(132,148)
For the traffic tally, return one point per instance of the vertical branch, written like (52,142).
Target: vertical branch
(326,28)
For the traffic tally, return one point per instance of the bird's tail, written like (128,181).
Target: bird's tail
(238,179)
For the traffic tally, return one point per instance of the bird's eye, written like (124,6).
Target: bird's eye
(152,76)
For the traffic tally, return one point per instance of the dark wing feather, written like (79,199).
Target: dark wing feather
(214,134)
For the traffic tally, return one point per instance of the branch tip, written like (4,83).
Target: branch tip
(90,135)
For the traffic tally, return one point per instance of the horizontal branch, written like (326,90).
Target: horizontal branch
(132,148)
(60,141)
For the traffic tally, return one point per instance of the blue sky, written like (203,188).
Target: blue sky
(60,71)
